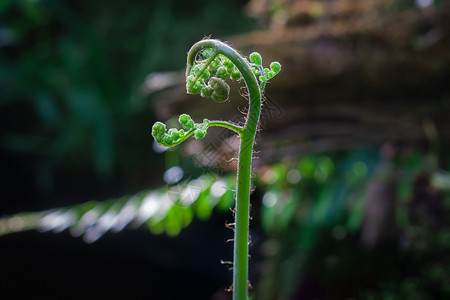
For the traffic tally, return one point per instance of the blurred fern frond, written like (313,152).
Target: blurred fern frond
(168,209)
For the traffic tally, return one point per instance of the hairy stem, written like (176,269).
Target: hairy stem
(240,276)
(247,134)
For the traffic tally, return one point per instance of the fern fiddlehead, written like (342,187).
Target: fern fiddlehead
(209,63)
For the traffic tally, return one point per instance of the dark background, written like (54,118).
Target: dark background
(354,148)
(74,127)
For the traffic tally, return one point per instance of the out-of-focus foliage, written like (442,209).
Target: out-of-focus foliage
(350,224)
(355,224)
(422,268)
(165,210)
(343,224)
(70,73)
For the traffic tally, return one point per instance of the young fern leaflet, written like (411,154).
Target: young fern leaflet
(209,63)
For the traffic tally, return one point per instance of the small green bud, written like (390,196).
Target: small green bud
(236,75)
(215,64)
(158,130)
(200,133)
(196,69)
(256,58)
(199,84)
(227,62)
(275,67)
(186,121)
(230,69)
(206,122)
(263,78)
(221,89)
(222,73)
(205,75)
(196,87)
(219,98)
(266,75)
(167,140)
(207,92)
(173,132)
(208,52)
(189,79)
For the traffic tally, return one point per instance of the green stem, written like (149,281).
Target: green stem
(227,125)
(240,276)
(247,134)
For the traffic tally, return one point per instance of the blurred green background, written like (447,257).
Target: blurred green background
(352,183)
